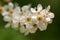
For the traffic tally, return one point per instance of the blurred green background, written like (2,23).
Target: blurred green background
(52,32)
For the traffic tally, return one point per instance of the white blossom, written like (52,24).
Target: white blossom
(26,19)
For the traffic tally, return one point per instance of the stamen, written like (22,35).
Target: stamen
(28,18)
(38,12)
(35,25)
(40,18)
(11,11)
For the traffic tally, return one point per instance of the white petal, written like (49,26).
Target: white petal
(33,30)
(26,7)
(43,12)
(28,26)
(16,17)
(7,25)
(42,26)
(48,19)
(26,33)
(14,21)
(22,29)
(39,7)
(48,8)
(10,4)
(34,17)
(51,15)
(22,20)
(17,9)
(6,18)
(15,26)
(33,10)
(5,13)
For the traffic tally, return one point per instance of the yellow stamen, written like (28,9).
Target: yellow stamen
(40,18)
(35,25)
(38,12)
(11,11)
(28,19)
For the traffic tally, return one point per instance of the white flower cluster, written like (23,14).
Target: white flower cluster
(27,19)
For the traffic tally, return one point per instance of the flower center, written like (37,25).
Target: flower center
(18,23)
(35,25)
(28,18)
(11,11)
(38,12)
(40,18)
